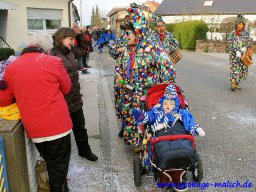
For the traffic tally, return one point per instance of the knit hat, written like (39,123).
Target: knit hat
(138,21)
(20,49)
(156,19)
(240,19)
(170,93)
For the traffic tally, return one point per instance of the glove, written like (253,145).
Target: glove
(238,54)
(137,114)
(3,85)
(243,49)
(200,132)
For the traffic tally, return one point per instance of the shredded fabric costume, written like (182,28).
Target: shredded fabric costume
(236,41)
(140,66)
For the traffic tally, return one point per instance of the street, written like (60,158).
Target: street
(228,118)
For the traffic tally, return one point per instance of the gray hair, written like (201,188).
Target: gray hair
(41,39)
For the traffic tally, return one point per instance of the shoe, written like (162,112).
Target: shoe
(238,87)
(121,133)
(82,68)
(85,71)
(91,156)
(87,66)
(233,85)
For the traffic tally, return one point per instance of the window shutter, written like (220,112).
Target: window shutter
(51,14)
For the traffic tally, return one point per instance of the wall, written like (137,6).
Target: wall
(17,31)
(214,46)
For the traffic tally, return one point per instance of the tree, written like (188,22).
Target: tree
(93,17)
(97,17)
(228,25)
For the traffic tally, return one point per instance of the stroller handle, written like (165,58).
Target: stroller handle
(172,138)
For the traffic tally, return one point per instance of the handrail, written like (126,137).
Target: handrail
(2,40)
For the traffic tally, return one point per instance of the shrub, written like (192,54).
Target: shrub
(189,31)
(206,49)
(5,53)
(170,27)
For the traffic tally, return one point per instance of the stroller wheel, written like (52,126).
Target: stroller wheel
(198,171)
(137,171)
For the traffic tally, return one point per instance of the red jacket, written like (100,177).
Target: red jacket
(38,81)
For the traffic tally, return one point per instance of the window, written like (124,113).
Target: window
(53,24)
(35,24)
(43,19)
(208,3)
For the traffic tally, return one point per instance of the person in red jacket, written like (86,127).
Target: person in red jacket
(38,82)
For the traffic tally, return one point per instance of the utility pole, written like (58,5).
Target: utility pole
(81,12)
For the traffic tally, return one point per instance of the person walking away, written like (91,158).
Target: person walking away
(238,42)
(38,83)
(64,49)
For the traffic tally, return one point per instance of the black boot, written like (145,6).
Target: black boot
(57,188)
(84,149)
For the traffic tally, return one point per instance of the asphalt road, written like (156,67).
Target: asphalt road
(229,118)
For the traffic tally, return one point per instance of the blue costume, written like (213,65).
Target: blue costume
(157,115)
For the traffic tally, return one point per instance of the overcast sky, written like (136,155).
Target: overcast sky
(104,6)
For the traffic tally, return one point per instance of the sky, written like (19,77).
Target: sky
(104,6)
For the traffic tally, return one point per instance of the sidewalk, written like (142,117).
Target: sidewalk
(113,171)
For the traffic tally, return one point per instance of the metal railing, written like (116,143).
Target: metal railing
(3,43)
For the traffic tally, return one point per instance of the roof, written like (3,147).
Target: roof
(116,9)
(196,7)
(152,5)
(5,5)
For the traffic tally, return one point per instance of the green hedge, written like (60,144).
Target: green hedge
(188,32)
(5,53)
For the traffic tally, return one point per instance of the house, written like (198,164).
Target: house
(211,11)
(117,14)
(19,19)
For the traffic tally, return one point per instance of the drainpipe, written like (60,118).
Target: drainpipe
(69,15)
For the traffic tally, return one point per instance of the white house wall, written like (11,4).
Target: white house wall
(17,30)
(209,19)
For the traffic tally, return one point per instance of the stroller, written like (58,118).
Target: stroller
(170,154)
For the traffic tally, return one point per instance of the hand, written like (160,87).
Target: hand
(136,113)
(77,29)
(243,49)
(121,49)
(200,132)
(238,54)
(167,51)
(119,79)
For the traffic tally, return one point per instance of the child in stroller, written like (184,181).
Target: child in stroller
(172,129)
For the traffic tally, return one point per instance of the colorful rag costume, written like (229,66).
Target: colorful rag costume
(167,40)
(141,66)
(236,42)
(160,119)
